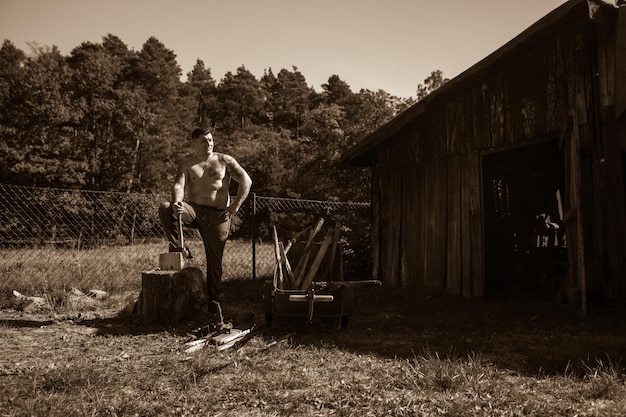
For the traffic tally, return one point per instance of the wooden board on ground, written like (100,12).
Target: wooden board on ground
(219,340)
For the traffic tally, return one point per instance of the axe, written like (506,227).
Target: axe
(174,260)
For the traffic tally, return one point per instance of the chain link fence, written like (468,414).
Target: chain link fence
(294,219)
(59,238)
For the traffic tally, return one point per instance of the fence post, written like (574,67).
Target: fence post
(253,225)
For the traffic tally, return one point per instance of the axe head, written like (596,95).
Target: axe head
(171,261)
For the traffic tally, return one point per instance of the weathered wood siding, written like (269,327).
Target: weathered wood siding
(426,179)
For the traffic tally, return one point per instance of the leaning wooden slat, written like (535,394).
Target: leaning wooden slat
(278,271)
(288,246)
(318,260)
(333,251)
(304,259)
(285,262)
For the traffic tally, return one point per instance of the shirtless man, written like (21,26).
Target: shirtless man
(206,177)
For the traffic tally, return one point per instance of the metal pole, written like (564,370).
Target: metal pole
(253,225)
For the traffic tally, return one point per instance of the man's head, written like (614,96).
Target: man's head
(202,143)
(197,133)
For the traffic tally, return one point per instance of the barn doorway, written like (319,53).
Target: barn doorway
(525,247)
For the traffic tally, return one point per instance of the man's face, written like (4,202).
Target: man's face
(203,145)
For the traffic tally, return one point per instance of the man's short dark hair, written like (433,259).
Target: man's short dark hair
(197,132)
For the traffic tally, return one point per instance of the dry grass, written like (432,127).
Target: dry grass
(400,355)
(114,269)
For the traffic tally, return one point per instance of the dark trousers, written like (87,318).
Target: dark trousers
(214,230)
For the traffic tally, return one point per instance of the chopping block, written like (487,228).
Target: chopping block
(171,296)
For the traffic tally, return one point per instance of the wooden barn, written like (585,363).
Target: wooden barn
(511,175)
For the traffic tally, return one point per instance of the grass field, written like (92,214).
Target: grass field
(114,269)
(401,355)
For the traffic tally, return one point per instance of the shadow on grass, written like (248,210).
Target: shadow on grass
(527,333)
(25,323)
(241,306)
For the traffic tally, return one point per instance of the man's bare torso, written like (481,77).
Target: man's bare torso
(207,182)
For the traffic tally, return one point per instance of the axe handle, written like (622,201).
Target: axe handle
(181,238)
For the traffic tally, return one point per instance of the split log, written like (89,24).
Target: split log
(171,296)
(279,265)
(333,251)
(318,260)
(285,261)
(98,294)
(281,260)
(289,244)
(28,303)
(304,260)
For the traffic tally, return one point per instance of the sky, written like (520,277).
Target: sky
(392,45)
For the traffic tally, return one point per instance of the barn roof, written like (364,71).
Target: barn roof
(361,153)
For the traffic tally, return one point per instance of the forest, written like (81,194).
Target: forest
(109,118)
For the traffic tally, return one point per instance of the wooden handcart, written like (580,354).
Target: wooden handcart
(314,291)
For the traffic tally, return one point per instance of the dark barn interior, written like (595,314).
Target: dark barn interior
(525,248)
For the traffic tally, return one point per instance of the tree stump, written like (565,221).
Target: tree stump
(171,296)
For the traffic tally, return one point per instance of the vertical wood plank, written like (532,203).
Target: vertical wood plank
(418,238)
(577,224)
(476,225)
(395,214)
(376,219)
(383,216)
(453,256)
(441,223)
(497,110)
(404,198)
(435,224)
(619,87)
(606,48)
(390,232)
(456,120)
(474,129)
(429,222)
(466,236)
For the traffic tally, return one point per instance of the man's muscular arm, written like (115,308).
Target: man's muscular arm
(178,189)
(243,179)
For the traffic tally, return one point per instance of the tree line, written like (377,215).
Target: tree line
(109,118)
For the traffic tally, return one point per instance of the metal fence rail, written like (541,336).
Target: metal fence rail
(89,239)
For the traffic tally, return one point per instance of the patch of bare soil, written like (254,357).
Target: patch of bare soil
(530,334)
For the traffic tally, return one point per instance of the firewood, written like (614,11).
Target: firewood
(39,301)
(278,271)
(318,260)
(98,294)
(304,259)
(284,256)
(289,244)
(282,261)
(227,340)
(285,261)
(333,251)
